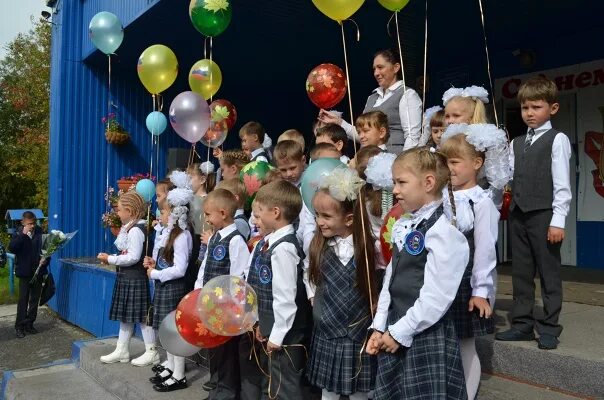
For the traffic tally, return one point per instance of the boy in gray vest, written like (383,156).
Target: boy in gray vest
(541,198)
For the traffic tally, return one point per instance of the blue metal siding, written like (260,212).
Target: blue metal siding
(126,10)
(78,149)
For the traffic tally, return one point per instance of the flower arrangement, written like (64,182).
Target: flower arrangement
(114,132)
(127,183)
(111,196)
(110,219)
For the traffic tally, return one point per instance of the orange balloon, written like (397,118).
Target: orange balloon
(190,326)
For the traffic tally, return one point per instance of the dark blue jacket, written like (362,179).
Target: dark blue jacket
(28,253)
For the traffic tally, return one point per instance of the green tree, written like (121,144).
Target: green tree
(24,120)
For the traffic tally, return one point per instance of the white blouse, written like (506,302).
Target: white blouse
(183,244)
(130,241)
(448,255)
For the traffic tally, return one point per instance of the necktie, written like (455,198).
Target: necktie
(215,238)
(529,139)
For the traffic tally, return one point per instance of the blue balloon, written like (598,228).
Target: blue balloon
(106,32)
(156,123)
(313,174)
(146,188)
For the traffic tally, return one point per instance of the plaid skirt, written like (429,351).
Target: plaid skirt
(166,298)
(131,300)
(340,365)
(430,369)
(468,324)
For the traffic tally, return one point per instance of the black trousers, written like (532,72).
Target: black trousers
(532,253)
(224,370)
(27,307)
(286,374)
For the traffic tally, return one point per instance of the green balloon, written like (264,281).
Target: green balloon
(210,17)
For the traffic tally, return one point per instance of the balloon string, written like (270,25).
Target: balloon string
(425,64)
(361,200)
(211,74)
(486,49)
(400,52)
(152,140)
(108,147)
(348,81)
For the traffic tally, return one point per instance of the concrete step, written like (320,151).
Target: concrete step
(63,381)
(499,388)
(576,366)
(132,383)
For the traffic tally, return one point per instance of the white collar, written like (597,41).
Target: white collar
(239,212)
(227,230)
(339,240)
(383,146)
(543,128)
(408,222)
(279,233)
(381,92)
(257,151)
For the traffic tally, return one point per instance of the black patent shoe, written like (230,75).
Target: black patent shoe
(19,333)
(158,368)
(157,379)
(171,385)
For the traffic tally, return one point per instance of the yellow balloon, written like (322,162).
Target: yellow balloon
(394,5)
(157,68)
(338,10)
(205,78)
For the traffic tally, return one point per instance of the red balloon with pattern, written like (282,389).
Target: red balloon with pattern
(326,85)
(505,206)
(225,111)
(386,232)
(191,327)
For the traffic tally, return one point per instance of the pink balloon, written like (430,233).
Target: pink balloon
(190,116)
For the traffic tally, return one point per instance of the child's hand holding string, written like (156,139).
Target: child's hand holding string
(150,269)
(217,152)
(374,343)
(149,262)
(389,344)
(103,257)
(481,305)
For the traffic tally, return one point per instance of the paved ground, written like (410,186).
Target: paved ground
(51,344)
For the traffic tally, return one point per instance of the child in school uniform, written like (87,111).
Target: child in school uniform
(414,336)
(227,254)
(472,150)
(131,296)
(252,137)
(373,129)
(341,267)
(237,188)
(275,273)
(434,126)
(232,162)
(203,181)
(333,134)
(168,270)
(541,196)
(466,106)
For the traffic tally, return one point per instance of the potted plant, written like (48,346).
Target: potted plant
(114,132)
(127,183)
(112,220)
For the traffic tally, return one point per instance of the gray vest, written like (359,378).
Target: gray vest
(533,187)
(391,108)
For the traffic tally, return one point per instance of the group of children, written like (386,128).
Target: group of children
(333,314)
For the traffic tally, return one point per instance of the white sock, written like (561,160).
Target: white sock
(325,395)
(471,366)
(148,334)
(179,368)
(126,331)
(169,365)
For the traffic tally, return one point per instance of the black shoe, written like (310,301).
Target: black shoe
(20,334)
(31,330)
(158,368)
(171,385)
(514,335)
(208,386)
(157,379)
(548,342)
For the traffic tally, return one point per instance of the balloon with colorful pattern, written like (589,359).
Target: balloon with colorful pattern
(172,341)
(228,305)
(205,78)
(225,109)
(190,326)
(251,175)
(326,85)
(386,231)
(210,17)
(219,126)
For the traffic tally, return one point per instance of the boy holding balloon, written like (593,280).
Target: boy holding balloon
(227,254)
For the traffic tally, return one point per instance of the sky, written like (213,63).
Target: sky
(17,20)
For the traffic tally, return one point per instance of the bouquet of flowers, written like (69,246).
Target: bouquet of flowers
(111,196)
(53,242)
(111,219)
